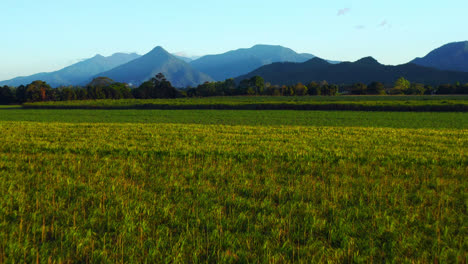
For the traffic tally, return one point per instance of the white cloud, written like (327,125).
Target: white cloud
(343,11)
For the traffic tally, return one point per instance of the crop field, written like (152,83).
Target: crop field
(153,186)
(244,117)
(355,103)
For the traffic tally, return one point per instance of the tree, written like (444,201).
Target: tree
(429,89)
(401,86)
(446,89)
(6,95)
(65,94)
(416,89)
(38,91)
(156,87)
(229,87)
(252,86)
(376,88)
(333,90)
(21,94)
(314,88)
(300,89)
(258,83)
(463,89)
(359,88)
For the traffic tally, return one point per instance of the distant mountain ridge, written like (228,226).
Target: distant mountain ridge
(158,60)
(365,70)
(241,61)
(76,73)
(452,56)
(185,71)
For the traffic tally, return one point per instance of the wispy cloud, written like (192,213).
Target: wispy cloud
(360,27)
(383,23)
(343,11)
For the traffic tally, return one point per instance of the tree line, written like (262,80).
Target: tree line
(160,87)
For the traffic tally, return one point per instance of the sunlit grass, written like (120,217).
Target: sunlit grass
(128,192)
(245,117)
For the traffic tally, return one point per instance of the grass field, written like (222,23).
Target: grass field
(244,117)
(133,186)
(355,103)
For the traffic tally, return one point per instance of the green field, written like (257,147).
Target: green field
(201,186)
(244,117)
(356,103)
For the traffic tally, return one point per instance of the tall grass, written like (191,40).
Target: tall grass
(107,192)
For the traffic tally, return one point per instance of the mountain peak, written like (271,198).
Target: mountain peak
(367,61)
(158,49)
(158,60)
(266,46)
(452,56)
(317,61)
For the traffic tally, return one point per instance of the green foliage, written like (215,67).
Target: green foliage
(452,89)
(252,86)
(38,91)
(416,89)
(101,82)
(401,85)
(300,89)
(314,88)
(376,88)
(157,87)
(359,88)
(7,95)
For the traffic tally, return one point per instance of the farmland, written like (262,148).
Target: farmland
(136,186)
(355,103)
(245,117)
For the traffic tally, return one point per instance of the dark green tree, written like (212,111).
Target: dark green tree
(359,88)
(376,88)
(300,89)
(314,88)
(416,89)
(7,96)
(38,91)
(157,87)
(21,94)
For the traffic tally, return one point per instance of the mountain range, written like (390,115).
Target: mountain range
(277,64)
(365,70)
(242,61)
(177,71)
(77,73)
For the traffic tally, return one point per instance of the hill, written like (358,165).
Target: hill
(178,72)
(364,70)
(77,73)
(452,56)
(242,61)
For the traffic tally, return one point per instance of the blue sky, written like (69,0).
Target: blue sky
(46,35)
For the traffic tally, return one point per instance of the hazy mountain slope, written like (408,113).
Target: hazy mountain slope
(77,73)
(452,56)
(178,72)
(242,61)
